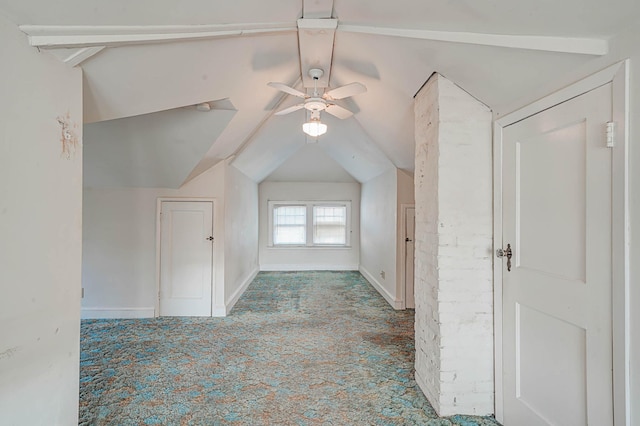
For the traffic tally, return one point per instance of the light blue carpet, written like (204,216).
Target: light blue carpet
(305,348)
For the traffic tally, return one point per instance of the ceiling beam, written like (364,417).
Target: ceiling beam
(51,37)
(315,9)
(315,40)
(583,46)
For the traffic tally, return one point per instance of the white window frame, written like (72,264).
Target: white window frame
(309,222)
(305,224)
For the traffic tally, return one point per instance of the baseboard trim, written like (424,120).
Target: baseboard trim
(395,304)
(117,313)
(307,267)
(240,291)
(219,311)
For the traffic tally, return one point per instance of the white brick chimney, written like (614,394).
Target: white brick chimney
(453,265)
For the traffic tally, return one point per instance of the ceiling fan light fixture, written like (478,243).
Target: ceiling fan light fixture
(314,128)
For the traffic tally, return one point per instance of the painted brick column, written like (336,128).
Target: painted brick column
(453,265)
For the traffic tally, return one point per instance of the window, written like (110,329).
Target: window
(289,225)
(330,225)
(309,223)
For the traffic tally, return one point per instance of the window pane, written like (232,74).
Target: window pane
(330,225)
(289,225)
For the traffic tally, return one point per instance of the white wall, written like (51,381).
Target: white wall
(40,229)
(119,245)
(379,235)
(309,258)
(624,46)
(454,233)
(241,234)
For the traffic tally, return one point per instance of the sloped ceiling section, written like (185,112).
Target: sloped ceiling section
(351,147)
(133,80)
(152,150)
(275,141)
(310,164)
(491,74)
(345,142)
(500,51)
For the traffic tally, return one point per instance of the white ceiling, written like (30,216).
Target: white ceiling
(310,163)
(543,17)
(149,12)
(156,79)
(572,18)
(151,150)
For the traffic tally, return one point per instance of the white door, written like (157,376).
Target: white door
(410,224)
(186,258)
(557,337)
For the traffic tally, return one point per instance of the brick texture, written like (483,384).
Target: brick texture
(453,265)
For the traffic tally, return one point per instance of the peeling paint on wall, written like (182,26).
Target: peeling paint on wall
(68,136)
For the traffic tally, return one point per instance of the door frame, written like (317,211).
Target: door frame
(403,252)
(618,75)
(159,202)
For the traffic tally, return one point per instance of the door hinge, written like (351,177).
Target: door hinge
(611,134)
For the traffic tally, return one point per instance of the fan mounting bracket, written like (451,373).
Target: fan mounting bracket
(316,73)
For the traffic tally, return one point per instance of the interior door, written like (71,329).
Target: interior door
(557,319)
(410,224)
(186,258)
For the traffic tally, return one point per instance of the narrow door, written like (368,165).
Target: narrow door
(557,338)
(186,258)
(410,223)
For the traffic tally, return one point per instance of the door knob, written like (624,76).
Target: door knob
(210,238)
(506,253)
(408,240)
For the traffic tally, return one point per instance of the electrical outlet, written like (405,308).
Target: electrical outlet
(382,274)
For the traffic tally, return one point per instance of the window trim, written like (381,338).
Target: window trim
(272,204)
(306,220)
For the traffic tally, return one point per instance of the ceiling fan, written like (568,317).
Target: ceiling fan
(316,102)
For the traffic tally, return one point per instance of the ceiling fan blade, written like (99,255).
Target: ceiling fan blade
(290,109)
(338,111)
(287,89)
(345,91)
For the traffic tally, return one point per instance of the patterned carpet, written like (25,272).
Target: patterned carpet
(302,348)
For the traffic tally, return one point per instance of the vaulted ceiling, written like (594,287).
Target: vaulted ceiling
(147,63)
